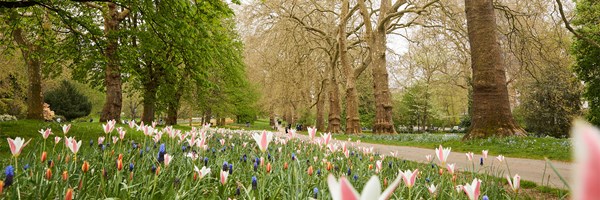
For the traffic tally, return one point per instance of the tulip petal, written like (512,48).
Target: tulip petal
(372,189)
(587,155)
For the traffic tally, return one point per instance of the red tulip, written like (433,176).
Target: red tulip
(69,194)
(285,165)
(310,171)
(48,174)
(65,176)
(44,156)
(268,167)
(85,167)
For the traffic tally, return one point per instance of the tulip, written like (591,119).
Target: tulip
(115,139)
(586,143)
(515,183)
(223,178)
(66,128)
(326,138)
(330,167)
(45,133)
(450,168)
(343,189)
(409,177)
(500,158)
(263,140)
(119,164)
(285,165)
(484,153)
(131,124)
(269,167)
(69,194)
(44,156)
(292,133)
(431,188)
(472,190)
(65,176)
(429,158)
(73,145)
(1,187)
(202,172)
(16,145)
(469,156)
(85,167)
(48,175)
(312,132)
(56,140)
(378,166)
(157,170)
(168,159)
(442,154)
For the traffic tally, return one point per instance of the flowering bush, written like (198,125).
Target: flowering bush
(219,163)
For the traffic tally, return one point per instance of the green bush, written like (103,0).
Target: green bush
(12,107)
(67,101)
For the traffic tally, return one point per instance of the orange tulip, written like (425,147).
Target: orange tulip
(385,182)
(310,171)
(157,170)
(51,164)
(268,167)
(119,164)
(69,194)
(85,167)
(329,166)
(370,166)
(131,176)
(44,156)
(48,174)
(1,186)
(371,159)
(285,165)
(441,171)
(65,176)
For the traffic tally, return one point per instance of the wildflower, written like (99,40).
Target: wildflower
(442,154)
(355,177)
(515,183)
(472,190)
(66,128)
(349,172)
(9,173)
(587,154)
(319,172)
(205,161)
(485,197)
(1,187)
(285,165)
(230,169)
(119,164)
(73,145)
(26,167)
(225,166)
(45,133)
(161,153)
(315,192)
(202,172)
(263,140)
(372,190)
(409,177)
(293,156)
(85,167)
(157,170)
(254,183)
(109,126)
(131,167)
(326,138)
(122,133)
(481,161)
(255,166)
(16,145)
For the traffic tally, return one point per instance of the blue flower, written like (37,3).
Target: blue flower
(230,169)
(319,172)
(141,153)
(237,191)
(355,177)
(147,149)
(315,192)
(269,156)
(255,166)
(225,166)
(162,148)
(349,172)
(481,161)
(293,156)
(390,164)
(244,157)
(254,182)
(103,147)
(26,167)
(183,148)
(485,197)
(153,169)
(428,180)
(9,171)
(205,161)
(161,153)
(134,145)
(130,167)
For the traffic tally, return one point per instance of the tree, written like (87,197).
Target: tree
(587,54)
(67,101)
(491,114)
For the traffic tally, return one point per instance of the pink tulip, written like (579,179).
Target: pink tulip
(484,153)
(115,139)
(202,172)
(343,190)
(224,175)
(66,128)
(326,138)
(122,133)
(168,159)
(500,158)
(431,188)
(429,158)
(16,145)
(56,140)
(154,123)
(100,140)
(107,127)
(409,177)
(378,166)
(222,141)
(292,133)
(472,190)
(586,143)
(263,140)
(442,154)
(469,156)
(73,145)
(515,184)
(131,124)
(450,168)
(45,133)
(312,132)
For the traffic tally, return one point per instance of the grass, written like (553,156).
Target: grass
(176,180)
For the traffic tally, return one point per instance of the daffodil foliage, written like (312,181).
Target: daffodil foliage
(137,161)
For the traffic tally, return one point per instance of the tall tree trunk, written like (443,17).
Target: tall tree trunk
(376,40)
(491,107)
(35,99)
(271,116)
(321,106)
(173,107)
(149,102)
(114,93)
(334,125)
(352,116)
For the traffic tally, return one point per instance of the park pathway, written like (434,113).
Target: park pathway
(528,169)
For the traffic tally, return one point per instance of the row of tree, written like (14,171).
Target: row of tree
(169,51)
(478,62)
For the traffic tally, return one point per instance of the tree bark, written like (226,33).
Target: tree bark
(114,93)
(352,116)
(149,102)
(35,98)
(173,107)
(321,106)
(491,107)
(334,125)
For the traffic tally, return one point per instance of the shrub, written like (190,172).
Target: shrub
(5,117)
(12,107)
(67,101)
